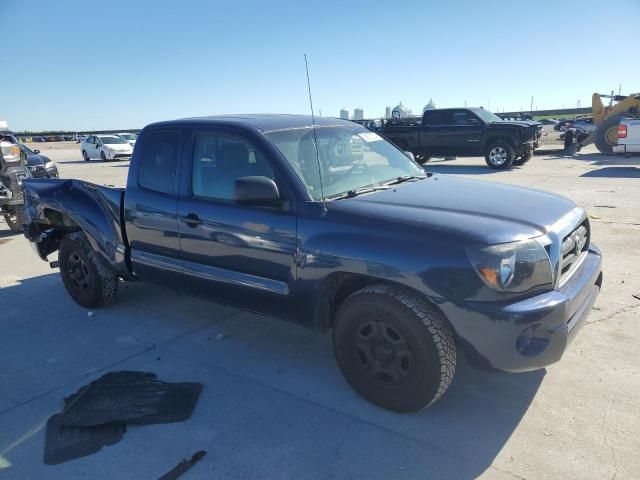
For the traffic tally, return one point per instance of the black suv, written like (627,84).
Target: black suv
(465,132)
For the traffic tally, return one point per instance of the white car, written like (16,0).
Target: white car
(130,138)
(628,136)
(106,147)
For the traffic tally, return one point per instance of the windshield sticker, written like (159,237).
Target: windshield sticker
(370,136)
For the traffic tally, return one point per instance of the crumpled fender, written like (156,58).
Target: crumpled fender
(93,208)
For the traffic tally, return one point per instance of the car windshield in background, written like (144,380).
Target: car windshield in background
(486,115)
(111,140)
(128,137)
(351,158)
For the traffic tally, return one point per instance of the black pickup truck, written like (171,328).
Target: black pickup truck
(465,132)
(333,228)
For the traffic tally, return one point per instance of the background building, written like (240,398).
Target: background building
(399,111)
(344,114)
(358,114)
(387,112)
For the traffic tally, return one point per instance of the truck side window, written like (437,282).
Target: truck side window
(464,118)
(158,161)
(436,117)
(218,160)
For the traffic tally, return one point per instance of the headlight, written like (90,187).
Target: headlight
(512,267)
(49,165)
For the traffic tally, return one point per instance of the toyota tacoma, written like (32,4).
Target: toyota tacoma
(329,225)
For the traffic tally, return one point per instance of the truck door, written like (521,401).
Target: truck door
(151,202)
(466,133)
(435,132)
(236,254)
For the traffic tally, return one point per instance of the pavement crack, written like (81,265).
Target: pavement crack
(626,309)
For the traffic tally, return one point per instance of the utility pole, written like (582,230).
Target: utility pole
(465,104)
(531,108)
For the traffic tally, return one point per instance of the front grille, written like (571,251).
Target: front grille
(574,246)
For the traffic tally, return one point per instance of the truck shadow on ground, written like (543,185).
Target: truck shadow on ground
(614,172)
(458,437)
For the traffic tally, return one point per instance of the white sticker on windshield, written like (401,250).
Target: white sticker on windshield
(370,137)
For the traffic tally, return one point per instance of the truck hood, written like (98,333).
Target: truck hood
(478,211)
(521,123)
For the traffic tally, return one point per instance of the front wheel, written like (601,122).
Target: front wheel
(499,156)
(88,282)
(85,156)
(395,349)
(14,216)
(103,156)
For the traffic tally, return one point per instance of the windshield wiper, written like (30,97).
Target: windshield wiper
(357,191)
(406,178)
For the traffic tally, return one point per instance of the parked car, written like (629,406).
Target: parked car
(130,138)
(628,136)
(39,165)
(561,126)
(548,121)
(105,147)
(13,173)
(38,139)
(466,132)
(334,228)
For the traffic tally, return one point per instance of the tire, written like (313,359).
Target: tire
(499,156)
(85,156)
(396,350)
(103,156)
(89,283)
(524,158)
(607,133)
(15,219)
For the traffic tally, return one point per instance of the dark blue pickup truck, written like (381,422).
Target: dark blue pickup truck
(336,229)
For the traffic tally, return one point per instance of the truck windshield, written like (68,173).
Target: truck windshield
(486,115)
(351,158)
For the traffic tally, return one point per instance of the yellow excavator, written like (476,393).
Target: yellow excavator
(606,118)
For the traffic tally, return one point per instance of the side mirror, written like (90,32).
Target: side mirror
(36,151)
(410,155)
(256,191)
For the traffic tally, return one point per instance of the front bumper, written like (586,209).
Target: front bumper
(532,333)
(113,155)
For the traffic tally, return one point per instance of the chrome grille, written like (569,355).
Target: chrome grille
(574,246)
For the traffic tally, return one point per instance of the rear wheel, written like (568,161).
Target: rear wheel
(85,156)
(499,155)
(88,282)
(14,216)
(395,349)
(607,134)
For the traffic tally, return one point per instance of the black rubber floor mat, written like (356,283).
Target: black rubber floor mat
(130,397)
(64,443)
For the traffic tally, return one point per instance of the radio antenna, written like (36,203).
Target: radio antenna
(315,137)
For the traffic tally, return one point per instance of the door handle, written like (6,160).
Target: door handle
(192,220)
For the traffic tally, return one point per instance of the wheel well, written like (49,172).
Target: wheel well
(499,138)
(340,286)
(58,219)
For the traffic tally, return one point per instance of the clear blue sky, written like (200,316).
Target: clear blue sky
(122,64)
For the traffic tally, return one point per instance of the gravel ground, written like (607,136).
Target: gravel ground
(274,404)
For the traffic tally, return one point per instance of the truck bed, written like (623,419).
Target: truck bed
(51,204)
